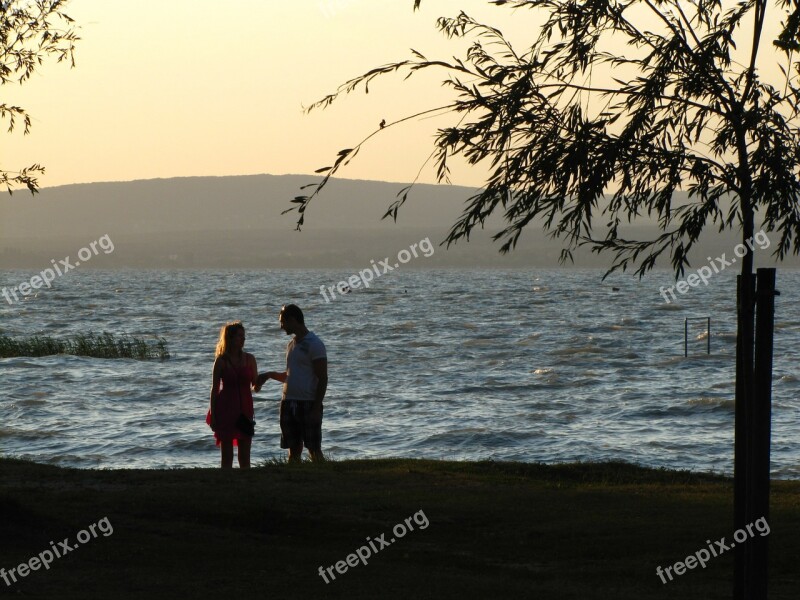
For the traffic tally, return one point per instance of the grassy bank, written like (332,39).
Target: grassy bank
(495,531)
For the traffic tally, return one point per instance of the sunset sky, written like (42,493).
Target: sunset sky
(201,87)
(166,88)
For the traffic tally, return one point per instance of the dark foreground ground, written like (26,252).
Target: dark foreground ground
(494,531)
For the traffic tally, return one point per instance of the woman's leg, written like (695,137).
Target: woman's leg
(227,454)
(244,452)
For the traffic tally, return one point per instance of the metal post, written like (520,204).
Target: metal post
(685,338)
(745,293)
(758,486)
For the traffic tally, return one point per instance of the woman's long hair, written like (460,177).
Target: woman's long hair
(226,335)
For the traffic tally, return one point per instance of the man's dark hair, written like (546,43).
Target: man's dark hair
(293,311)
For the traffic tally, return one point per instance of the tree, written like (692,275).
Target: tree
(30,31)
(687,116)
(614,107)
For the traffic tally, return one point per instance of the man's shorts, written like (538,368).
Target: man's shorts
(298,427)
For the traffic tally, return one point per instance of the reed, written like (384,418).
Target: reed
(104,345)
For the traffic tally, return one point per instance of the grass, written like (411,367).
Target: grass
(104,345)
(496,530)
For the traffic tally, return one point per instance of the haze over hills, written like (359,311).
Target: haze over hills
(236,222)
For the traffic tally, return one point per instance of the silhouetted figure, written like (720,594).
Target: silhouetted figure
(305,381)
(231,415)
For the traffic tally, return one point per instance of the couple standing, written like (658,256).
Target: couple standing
(235,377)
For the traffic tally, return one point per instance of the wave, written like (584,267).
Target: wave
(423,344)
(723,403)
(578,350)
(727,337)
(476,436)
(481,342)
(528,339)
(670,307)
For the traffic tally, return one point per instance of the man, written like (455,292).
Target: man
(305,381)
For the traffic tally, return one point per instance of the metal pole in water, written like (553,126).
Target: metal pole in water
(685,338)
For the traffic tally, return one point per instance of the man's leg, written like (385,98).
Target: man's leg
(296,454)
(291,433)
(312,433)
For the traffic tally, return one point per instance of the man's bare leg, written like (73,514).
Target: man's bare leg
(316,455)
(296,454)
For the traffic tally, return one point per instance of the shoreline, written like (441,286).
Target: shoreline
(532,467)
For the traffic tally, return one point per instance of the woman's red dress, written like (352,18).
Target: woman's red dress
(233,398)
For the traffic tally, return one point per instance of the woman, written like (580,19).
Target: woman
(237,373)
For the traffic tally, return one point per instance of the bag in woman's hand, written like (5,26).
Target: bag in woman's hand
(245,425)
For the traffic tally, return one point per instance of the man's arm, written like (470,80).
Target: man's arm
(320,367)
(277,376)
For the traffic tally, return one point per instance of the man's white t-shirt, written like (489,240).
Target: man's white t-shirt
(301,383)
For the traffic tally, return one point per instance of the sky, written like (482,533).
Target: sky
(170,88)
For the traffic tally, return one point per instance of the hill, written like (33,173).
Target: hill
(236,222)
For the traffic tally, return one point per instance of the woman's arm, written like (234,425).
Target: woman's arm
(254,384)
(215,379)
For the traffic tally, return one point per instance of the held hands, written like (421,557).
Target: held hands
(268,375)
(261,379)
